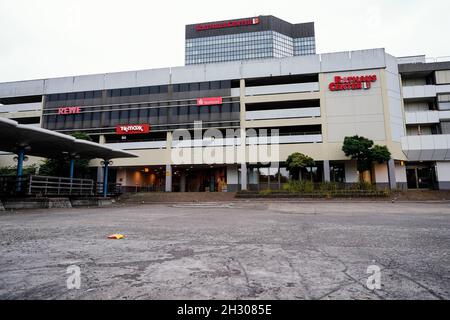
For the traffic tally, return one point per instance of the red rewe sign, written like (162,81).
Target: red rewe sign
(209,101)
(69,110)
(132,129)
(352,83)
(227,24)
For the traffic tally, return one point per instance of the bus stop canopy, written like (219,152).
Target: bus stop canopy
(49,144)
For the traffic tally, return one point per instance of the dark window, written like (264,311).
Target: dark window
(184,87)
(124,117)
(176,88)
(115,93)
(225,84)
(215,85)
(80,96)
(71,96)
(194,86)
(97,94)
(125,92)
(135,91)
(134,116)
(184,111)
(163,89)
(89,95)
(204,86)
(154,90)
(144,91)
(62,96)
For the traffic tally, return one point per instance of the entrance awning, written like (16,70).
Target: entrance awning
(44,143)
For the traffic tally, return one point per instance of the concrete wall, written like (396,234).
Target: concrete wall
(355,111)
(443,175)
(400,175)
(232,178)
(351,172)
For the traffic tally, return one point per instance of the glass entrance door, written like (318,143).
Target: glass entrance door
(420,177)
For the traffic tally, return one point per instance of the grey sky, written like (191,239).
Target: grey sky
(50,38)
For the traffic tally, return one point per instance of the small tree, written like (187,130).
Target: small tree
(61,166)
(296,162)
(365,153)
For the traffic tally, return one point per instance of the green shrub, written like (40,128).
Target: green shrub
(363,186)
(308,187)
(265,192)
(328,186)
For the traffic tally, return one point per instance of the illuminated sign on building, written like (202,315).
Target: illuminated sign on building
(132,129)
(227,24)
(209,101)
(352,83)
(69,110)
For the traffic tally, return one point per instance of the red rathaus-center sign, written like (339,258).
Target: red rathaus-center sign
(352,83)
(227,24)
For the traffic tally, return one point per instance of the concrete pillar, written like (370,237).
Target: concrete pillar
(102,139)
(326,171)
(168,178)
(244,176)
(391,174)
(183,181)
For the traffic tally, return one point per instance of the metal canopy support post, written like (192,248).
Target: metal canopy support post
(20,159)
(72,166)
(105,178)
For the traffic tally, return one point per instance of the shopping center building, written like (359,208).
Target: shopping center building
(304,103)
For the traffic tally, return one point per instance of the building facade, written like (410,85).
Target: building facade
(309,104)
(246,39)
(426,93)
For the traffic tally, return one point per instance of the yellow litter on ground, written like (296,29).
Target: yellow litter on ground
(116,236)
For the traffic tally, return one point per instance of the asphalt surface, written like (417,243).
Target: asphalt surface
(237,250)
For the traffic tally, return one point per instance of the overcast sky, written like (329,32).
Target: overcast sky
(51,38)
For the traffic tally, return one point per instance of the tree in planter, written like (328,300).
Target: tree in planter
(11,171)
(297,162)
(365,153)
(60,167)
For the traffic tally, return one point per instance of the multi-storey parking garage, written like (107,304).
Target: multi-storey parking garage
(306,104)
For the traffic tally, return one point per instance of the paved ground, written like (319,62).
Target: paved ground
(229,251)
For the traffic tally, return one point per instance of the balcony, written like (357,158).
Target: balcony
(419,92)
(282,114)
(422,117)
(287,139)
(138,145)
(427,148)
(24,107)
(426,117)
(284,88)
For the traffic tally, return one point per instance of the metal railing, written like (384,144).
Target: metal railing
(114,189)
(13,186)
(42,185)
(34,185)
